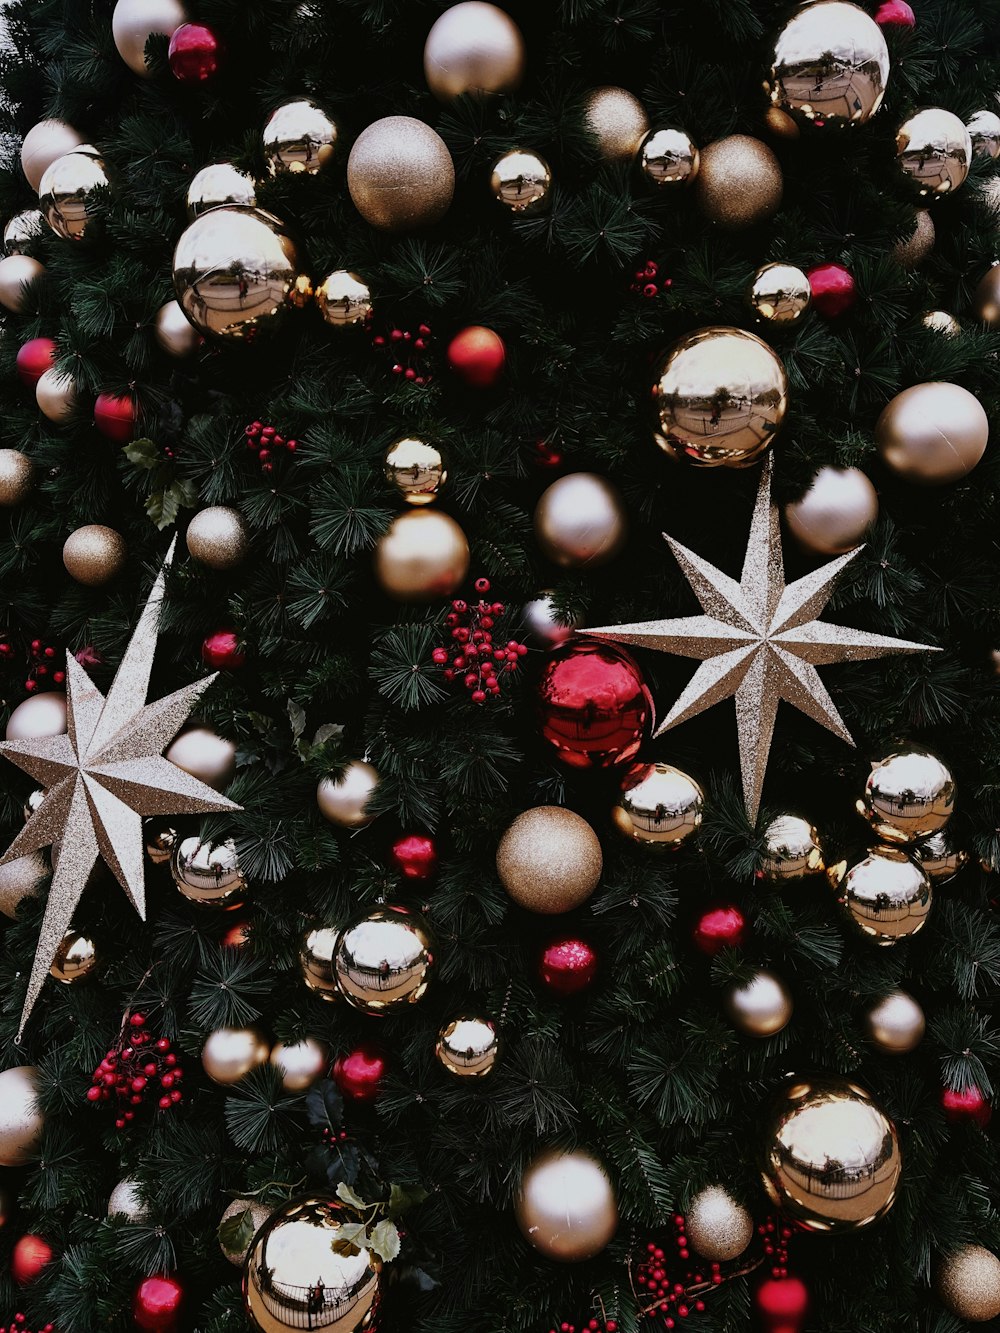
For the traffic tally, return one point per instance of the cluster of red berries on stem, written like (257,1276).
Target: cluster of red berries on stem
(409,349)
(775,1237)
(473,659)
(264,440)
(670,1298)
(136,1068)
(42,660)
(591,1326)
(19,1324)
(647,280)
(333,1136)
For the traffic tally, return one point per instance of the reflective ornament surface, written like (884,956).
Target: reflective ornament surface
(42,144)
(911,253)
(415,468)
(316,961)
(134,21)
(94,554)
(887,895)
(546,629)
(617,121)
(836,511)
(126,1201)
(343,299)
(580,520)
(984,131)
(299,138)
(593,705)
(716,1226)
(467,1047)
(473,49)
(216,537)
(21,878)
(204,754)
(17,272)
(934,151)
(15,477)
(55,392)
(909,795)
(938,857)
(791,850)
(38,717)
(985,299)
(896,1023)
(739,182)
(67,194)
(384,959)
(779,293)
(174,332)
(831,1156)
(220,185)
(246,1216)
(829,66)
(208,873)
(160,840)
(424,555)
(300,1063)
(344,800)
(549,860)
(967,1282)
(659,806)
(566,1207)
(932,433)
(22,231)
(940,321)
(761,1006)
(669,157)
(76,958)
(21,1120)
(522,180)
(400,174)
(230,1053)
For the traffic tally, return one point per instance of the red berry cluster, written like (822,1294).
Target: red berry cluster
(409,350)
(591,1326)
(135,1068)
(646,280)
(332,1136)
(19,1324)
(676,1297)
(775,1237)
(264,440)
(476,662)
(42,662)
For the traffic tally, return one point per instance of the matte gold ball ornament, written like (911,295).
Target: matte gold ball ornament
(717,1227)
(22,231)
(21,878)
(934,152)
(344,299)
(473,49)
(300,1063)
(217,537)
(316,961)
(829,66)
(911,253)
(17,273)
(44,142)
(932,433)
(247,1216)
(660,806)
(16,473)
(760,1007)
(344,800)
(384,960)
(791,851)
(229,1054)
(174,332)
(204,754)
(985,299)
(886,894)
(422,556)
(984,131)
(76,958)
(467,1047)
(669,157)
(909,795)
(580,521)
(208,874)
(521,180)
(779,293)
(40,716)
(94,554)
(617,122)
(21,1118)
(220,185)
(739,182)
(938,857)
(549,860)
(566,1206)
(299,138)
(835,513)
(55,393)
(967,1282)
(896,1024)
(69,191)
(415,469)
(134,21)
(400,174)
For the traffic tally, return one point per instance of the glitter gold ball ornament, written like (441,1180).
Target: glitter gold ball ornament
(546,628)
(400,174)
(549,860)
(717,1227)
(836,511)
(829,66)
(473,49)
(909,795)
(985,299)
(467,1047)
(174,332)
(134,21)
(780,125)
(669,157)
(984,131)
(967,1282)
(896,1023)
(424,555)
(934,152)
(219,185)
(887,895)
(230,1053)
(300,1063)
(126,1201)
(938,857)
(22,231)
(76,958)
(940,321)
(68,192)
(21,1119)
(344,299)
(831,1155)
(779,293)
(299,138)
(384,959)
(912,253)
(217,538)
(739,182)
(316,961)
(94,554)
(580,520)
(15,477)
(415,468)
(522,181)
(344,800)
(246,1217)
(761,1006)
(617,121)
(659,805)
(16,273)
(294,1278)
(204,754)
(791,850)
(21,878)
(42,144)
(208,873)
(932,433)
(41,716)
(720,395)
(566,1206)
(55,393)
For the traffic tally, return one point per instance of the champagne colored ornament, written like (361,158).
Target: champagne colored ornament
(415,468)
(21,878)
(299,138)
(400,174)
(477,355)
(424,555)
(344,299)
(22,231)
(791,850)
(295,1278)
(216,537)
(934,152)
(739,182)
(549,860)
(829,66)
(659,805)
(779,293)
(15,477)
(21,1119)
(208,874)
(909,795)
(174,332)
(34,358)
(300,1063)
(567,965)
(940,321)
(316,961)
(721,395)
(566,1206)
(967,1282)
(984,131)
(229,1054)
(474,49)
(344,800)
(593,705)
(76,958)
(245,1217)
(887,895)
(985,299)
(467,1047)
(896,1023)
(68,193)
(43,143)
(912,253)
(205,755)
(932,433)
(836,511)
(580,520)
(780,125)
(669,157)
(126,1201)
(39,717)
(717,1227)
(522,181)
(135,21)
(17,272)
(617,121)
(547,630)
(220,185)
(384,960)
(94,554)
(359,1073)
(761,1006)
(938,857)
(55,393)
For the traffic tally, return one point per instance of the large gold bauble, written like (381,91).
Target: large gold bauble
(968,1283)
(984,131)
(721,395)
(76,958)
(467,1047)
(316,961)
(295,1279)
(208,873)
(659,806)
(913,252)
(761,1006)
(384,959)
(216,537)
(299,138)
(549,860)
(22,231)
(400,174)
(896,1023)
(909,795)
(174,332)
(126,1201)
(669,157)
(940,321)
(204,754)
(21,1119)
(55,392)
(617,121)
(66,194)
(932,433)
(42,144)
(887,895)
(717,1227)
(235,270)
(21,878)
(566,1207)
(836,511)
(739,182)
(424,555)
(779,293)
(791,850)
(829,66)
(94,554)
(344,299)
(985,299)
(15,477)
(416,469)
(300,1063)
(522,180)
(220,185)
(229,1054)
(938,857)
(344,800)
(580,520)
(40,716)
(474,49)
(17,272)
(255,1214)
(134,22)
(934,152)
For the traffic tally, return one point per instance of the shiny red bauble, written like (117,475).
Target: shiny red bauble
(593,704)
(895,14)
(477,356)
(966,1108)
(833,289)
(567,965)
(782,1304)
(34,358)
(195,53)
(114,417)
(721,927)
(157,1304)
(30,1255)
(415,856)
(221,651)
(236,935)
(359,1073)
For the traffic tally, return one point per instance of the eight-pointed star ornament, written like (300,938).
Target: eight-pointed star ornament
(101,778)
(758,641)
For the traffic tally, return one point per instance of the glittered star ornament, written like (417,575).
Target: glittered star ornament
(758,641)
(102,778)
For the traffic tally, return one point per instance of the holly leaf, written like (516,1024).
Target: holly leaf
(326,733)
(384,1240)
(325,1106)
(236,1232)
(344,1164)
(164,506)
(143,453)
(297,718)
(350,1238)
(402,1197)
(347,1195)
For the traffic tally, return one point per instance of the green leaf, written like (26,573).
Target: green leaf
(347,1195)
(236,1232)
(402,1197)
(351,1238)
(297,718)
(143,453)
(384,1240)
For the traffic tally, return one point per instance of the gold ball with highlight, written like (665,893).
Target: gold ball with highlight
(580,521)
(909,794)
(932,433)
(415,468)
(467,1047)
(934,152)
(344,800)
(791,850)
(21,1119)
(968,1283)
(717,1227)
(829,66)
(660,806)
(43,143)
(986,298)
(219,185)
(836,511)
(739,183)
(217,538)
(669,157)
(913,252)
(522,180)
(76,958)
(16,273)
(300,1063)
(174,332)
(204,754)
(549,860)
(424,555)
(316,961)
(229,1054)
(344,299)
(618,122)
(566,1207)
(886,894)
(94,554)
(473,49)
(400,174)
(761,1006)
(779,293)
(896,1023)
(299,138)
(15,477)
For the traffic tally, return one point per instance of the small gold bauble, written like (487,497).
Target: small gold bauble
(913,252)
(474,49)
(15,477)
(384,959)
(126,1201)
(295,1278)
(717,1227)
(343,299)
(909,795)
(316,961)
(522,180)
(932,433)
(174,332)
(21,1119)
(135,21)
(549,860)
(400,174)
(791,850)
(247,1216)
(780,125)
(17,272)
(208,873)
(219,185)
(934,152)
(985,300)
(669,157)
(42,144)
(566,1207)
(416,469)
(940,321)
(55,392)
(617,121)
(968,1283)
(896,1023)
(580,520)
(67,194)
(22,231)
(229,1054)
(984,131)
(40,716)
(836,511)
(886,894)
(659,806)
(761,1006)
(217,538)
(344,800)
(546,628)
(21,878)
(300,1063)
(829,66)
(94,554)
(739,183)
(468,1046)
(424,555)
(938,857)
(299,139)
(205,755)
(160,839)
(76,958)
(721,395)
(779,293)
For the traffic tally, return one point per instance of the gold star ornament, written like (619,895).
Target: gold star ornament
(101,779)
(758,641)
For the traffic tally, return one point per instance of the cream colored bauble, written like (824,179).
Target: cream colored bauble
(932,433)
(216,537)
(422,556)
(55,393)
(134,21)
(229,1054)
(717,1227)
(42,144)
(617,121)
(566,1207)
(473,49)
(36,718)
(400,174)
(174,332)
(836,511)
(94,554)
(126,1201)
(549,860)
(21,1119)
(968,1283)
(15,477)
(204,754)
(580,520)
(16,273)
(300,1063)
(896,1023)
(344,800)
(19,879)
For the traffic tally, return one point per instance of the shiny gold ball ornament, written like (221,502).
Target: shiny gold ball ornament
(669,157)
(174,332)
(896,1023)
(400,174)
(985,299)
(220,185)
(41,715)
(253,1214)
(299,138)
(938,857)
(15,477)
(229,1054)
(68,192)
(522,181)
(344,800)
(204,754)
(42,144)
(739,182)
(659,805)
(967,1282)
(76,958)
(912,253)
(829,66)
(791,850)
(21,1119)
(617,121)
(779,293)
(932,433)
(549,860)
(467,1047)
(984,131)
(160,839)
(934,152)
(836,511)
(580,521)
(721,395)
(208,874)
(94,554)
(717,1227)
(22,231)
(135,21)
(295,1279)
(316,961)
(566,1207)
(21,878)
(17,273)
(235,270)
(415,468)
(216,537)
(55,393)
(761,1006)
(909,795)
(422,556)
(887,895)
(831,1155)
(344,299)
(300,1063)
(384,959)
(940,321)
(126,1201)
(473,49)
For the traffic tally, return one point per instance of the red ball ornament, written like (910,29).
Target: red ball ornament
(30,1255)
(833,289)
(114,417)
(157,1304)
(415,856)
(567,965)
(966,1108)
(195,53)
(593,704)
(221,651)
(34,358)
(359,1073)
(477,356)
(895,14)
(237,935)
(782,1304)
(719,928)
